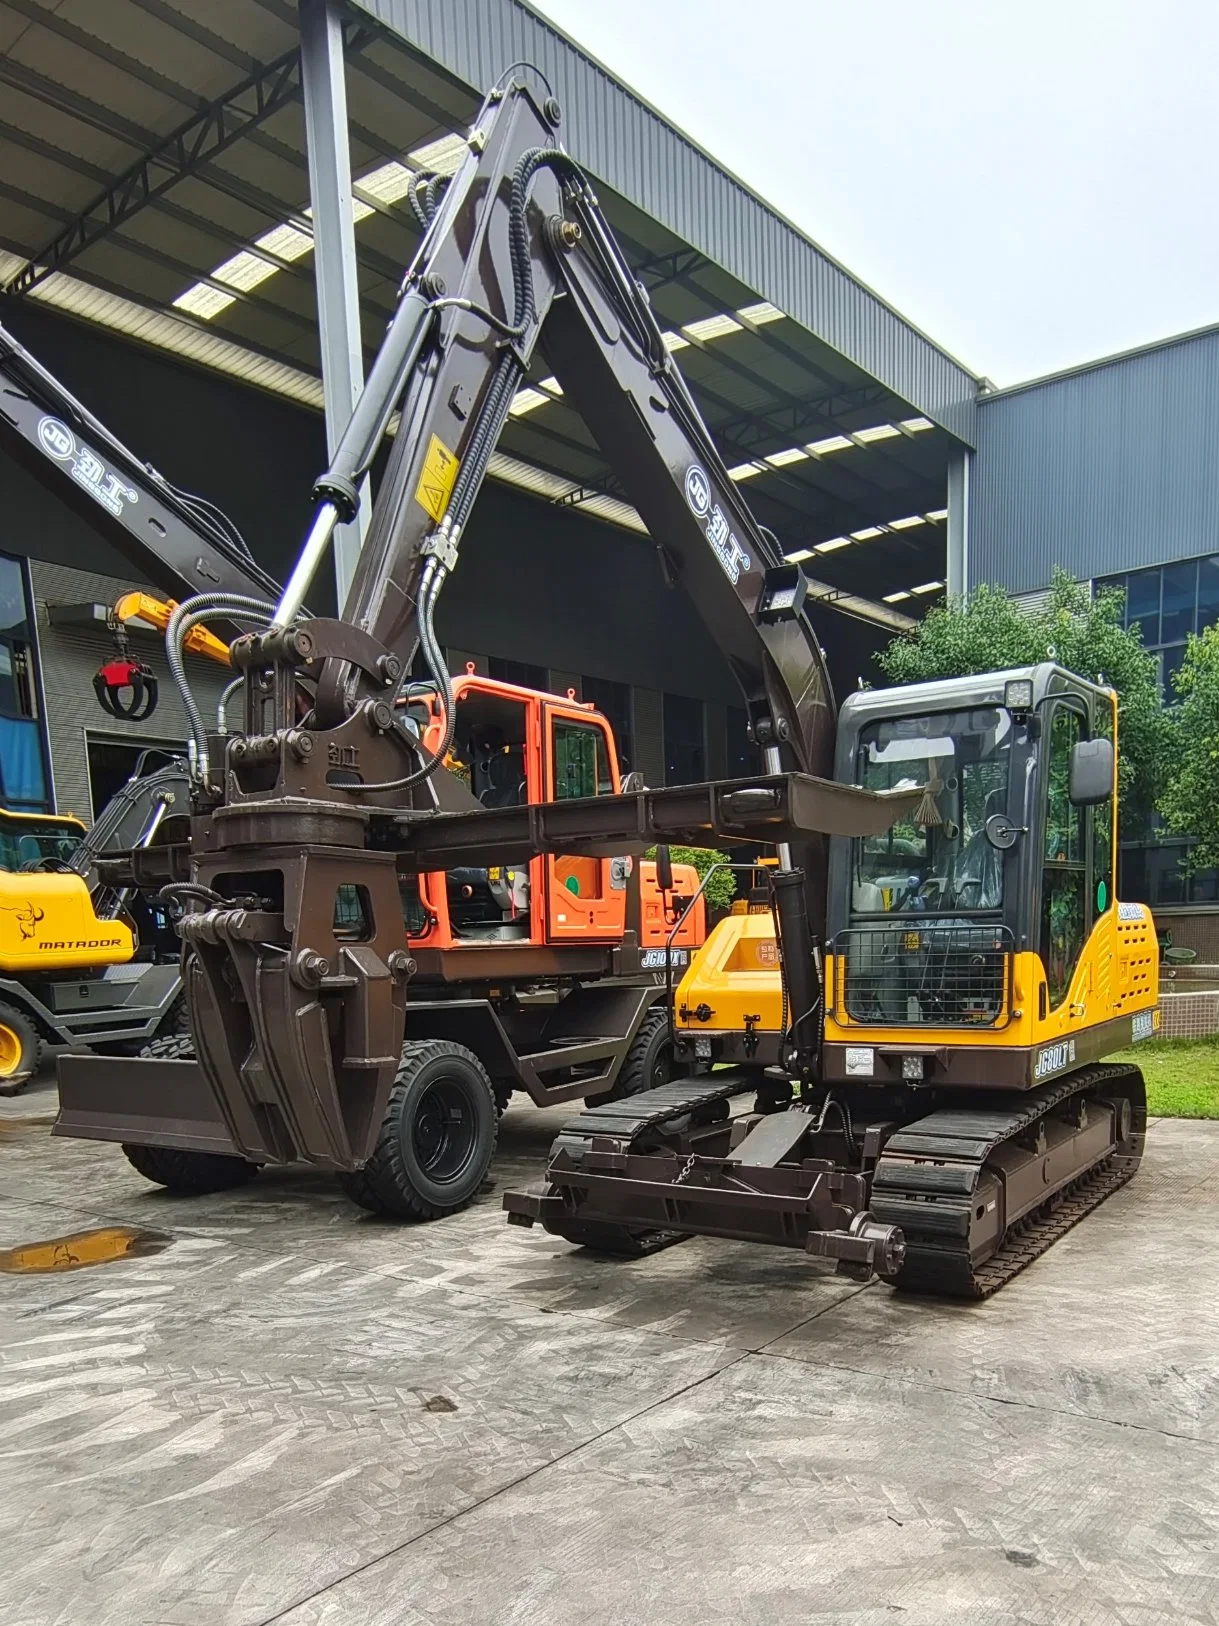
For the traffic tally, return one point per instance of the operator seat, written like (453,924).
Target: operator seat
(977,873)
(499,778)
(492,901)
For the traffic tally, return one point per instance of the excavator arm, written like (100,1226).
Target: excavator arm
(520,238)
(299,1015)
(177,542)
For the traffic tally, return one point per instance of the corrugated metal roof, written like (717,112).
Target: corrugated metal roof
(1101,469)
(630,146)
(89,92)
(990,392)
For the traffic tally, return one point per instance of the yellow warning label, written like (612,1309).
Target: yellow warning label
(436,478)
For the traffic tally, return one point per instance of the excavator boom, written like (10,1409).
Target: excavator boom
(177,542)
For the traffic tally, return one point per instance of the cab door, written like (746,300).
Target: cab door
(1067,903)
(585,897)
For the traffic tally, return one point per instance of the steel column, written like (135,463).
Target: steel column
(957,572)
(334,248)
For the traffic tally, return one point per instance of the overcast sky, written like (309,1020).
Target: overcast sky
(1031,182)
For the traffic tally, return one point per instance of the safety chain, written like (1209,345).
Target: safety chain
(686,1169)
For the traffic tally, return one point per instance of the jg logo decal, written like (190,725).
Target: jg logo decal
(698,491)
(1054,1057)
(86,468)
(724,545)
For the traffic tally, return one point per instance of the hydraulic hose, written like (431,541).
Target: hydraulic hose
(209,607)
(433,578)
(511,367)
(227,693)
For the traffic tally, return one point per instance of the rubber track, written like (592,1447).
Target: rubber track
(937,1251)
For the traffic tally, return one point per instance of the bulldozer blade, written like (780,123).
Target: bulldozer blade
(148,1102)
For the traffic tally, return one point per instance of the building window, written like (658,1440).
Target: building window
(613,701)
(685,740)
(23,775)
(522,673)
(1167,602)
(1152,872)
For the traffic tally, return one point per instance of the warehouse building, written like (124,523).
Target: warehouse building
(171,179)
(1110,471)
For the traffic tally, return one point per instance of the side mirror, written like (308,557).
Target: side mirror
(1091,780)
(1001,832)
(632,781)
(664,868)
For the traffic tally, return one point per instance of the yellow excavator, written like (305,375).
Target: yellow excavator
(977,964)
(84,965)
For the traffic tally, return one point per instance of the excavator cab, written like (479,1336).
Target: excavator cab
(31,841)
(513,746)
(979,939)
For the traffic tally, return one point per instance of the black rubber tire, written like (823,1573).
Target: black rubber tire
(402,1178)
(171,1047)
(503,1094)
(26,1041)
(174,1025)
(647,1064)
(189,1174)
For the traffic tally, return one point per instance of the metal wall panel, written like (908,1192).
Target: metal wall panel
(1104,469)
(69,657)
(630,147)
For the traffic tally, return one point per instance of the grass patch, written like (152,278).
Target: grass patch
(1182,1076)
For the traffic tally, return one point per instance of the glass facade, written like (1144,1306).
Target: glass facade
(522,673)
(685,740)
(1168,602)
(23,773)
(613,701)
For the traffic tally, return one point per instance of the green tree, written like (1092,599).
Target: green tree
(721,888)
(987,631)
(1189,801)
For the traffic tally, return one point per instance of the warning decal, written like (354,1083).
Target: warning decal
(436,478)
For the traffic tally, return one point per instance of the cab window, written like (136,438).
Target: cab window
(1102,829)
(936,859)
(1065,916)
(581,760)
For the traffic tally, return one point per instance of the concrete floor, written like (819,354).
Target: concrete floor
(298,1414)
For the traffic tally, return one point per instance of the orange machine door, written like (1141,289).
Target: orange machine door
(585,897)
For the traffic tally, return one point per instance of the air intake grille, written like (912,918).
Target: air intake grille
(953,974)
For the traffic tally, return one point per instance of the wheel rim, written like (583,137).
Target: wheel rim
(10,1050)
(445,1131)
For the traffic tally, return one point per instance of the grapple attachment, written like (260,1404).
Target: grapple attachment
(298,1000)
